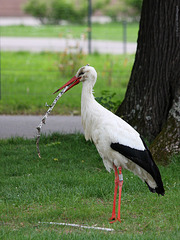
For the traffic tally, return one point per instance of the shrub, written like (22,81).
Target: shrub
(106,100)
(52,11)
(66,11)
(136,4)
(37,8)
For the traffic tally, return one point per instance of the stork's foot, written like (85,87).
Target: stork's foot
(113,220)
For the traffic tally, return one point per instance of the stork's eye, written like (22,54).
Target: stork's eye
(80,74)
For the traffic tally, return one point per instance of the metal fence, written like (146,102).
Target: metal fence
(91,38)
(24,86)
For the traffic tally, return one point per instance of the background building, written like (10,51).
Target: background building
(12,8)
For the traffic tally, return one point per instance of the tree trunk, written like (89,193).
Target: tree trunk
(153,89)
(167,141)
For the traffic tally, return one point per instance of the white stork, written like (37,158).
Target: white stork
(119,145)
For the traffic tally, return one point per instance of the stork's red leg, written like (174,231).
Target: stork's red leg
(115,194)
(118,182)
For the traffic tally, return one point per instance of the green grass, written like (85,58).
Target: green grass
(70,184)
(29,79)
(110,31)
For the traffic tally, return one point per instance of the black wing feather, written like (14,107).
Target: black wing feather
(144,159)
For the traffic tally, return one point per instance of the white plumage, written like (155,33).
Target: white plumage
(103,127)
(118,144)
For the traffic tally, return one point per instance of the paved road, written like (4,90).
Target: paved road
(35,44)
(25,126)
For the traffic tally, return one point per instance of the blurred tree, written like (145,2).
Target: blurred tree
(118,9)
(136,4)
(52,11)
(152,100)
(99,4)
(114,11)
(37,9)
(65,10)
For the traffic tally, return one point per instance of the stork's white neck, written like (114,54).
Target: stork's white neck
(87,92)
(89,109)
(87,99)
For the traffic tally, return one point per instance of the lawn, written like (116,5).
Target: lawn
(109,31)
(29,79)
(70,184)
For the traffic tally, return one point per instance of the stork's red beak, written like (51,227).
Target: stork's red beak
(71,83)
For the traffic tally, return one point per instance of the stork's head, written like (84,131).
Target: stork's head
(86,74)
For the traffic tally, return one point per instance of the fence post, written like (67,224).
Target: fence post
(0,72)
(124,24)
(89,25)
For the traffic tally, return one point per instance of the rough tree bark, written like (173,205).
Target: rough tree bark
(152,100)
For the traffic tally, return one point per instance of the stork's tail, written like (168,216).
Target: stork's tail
(143,159)
(159,189)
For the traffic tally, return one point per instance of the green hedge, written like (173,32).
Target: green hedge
(53,11)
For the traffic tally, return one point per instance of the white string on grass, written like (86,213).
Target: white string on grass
(78,225)
(43,121)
